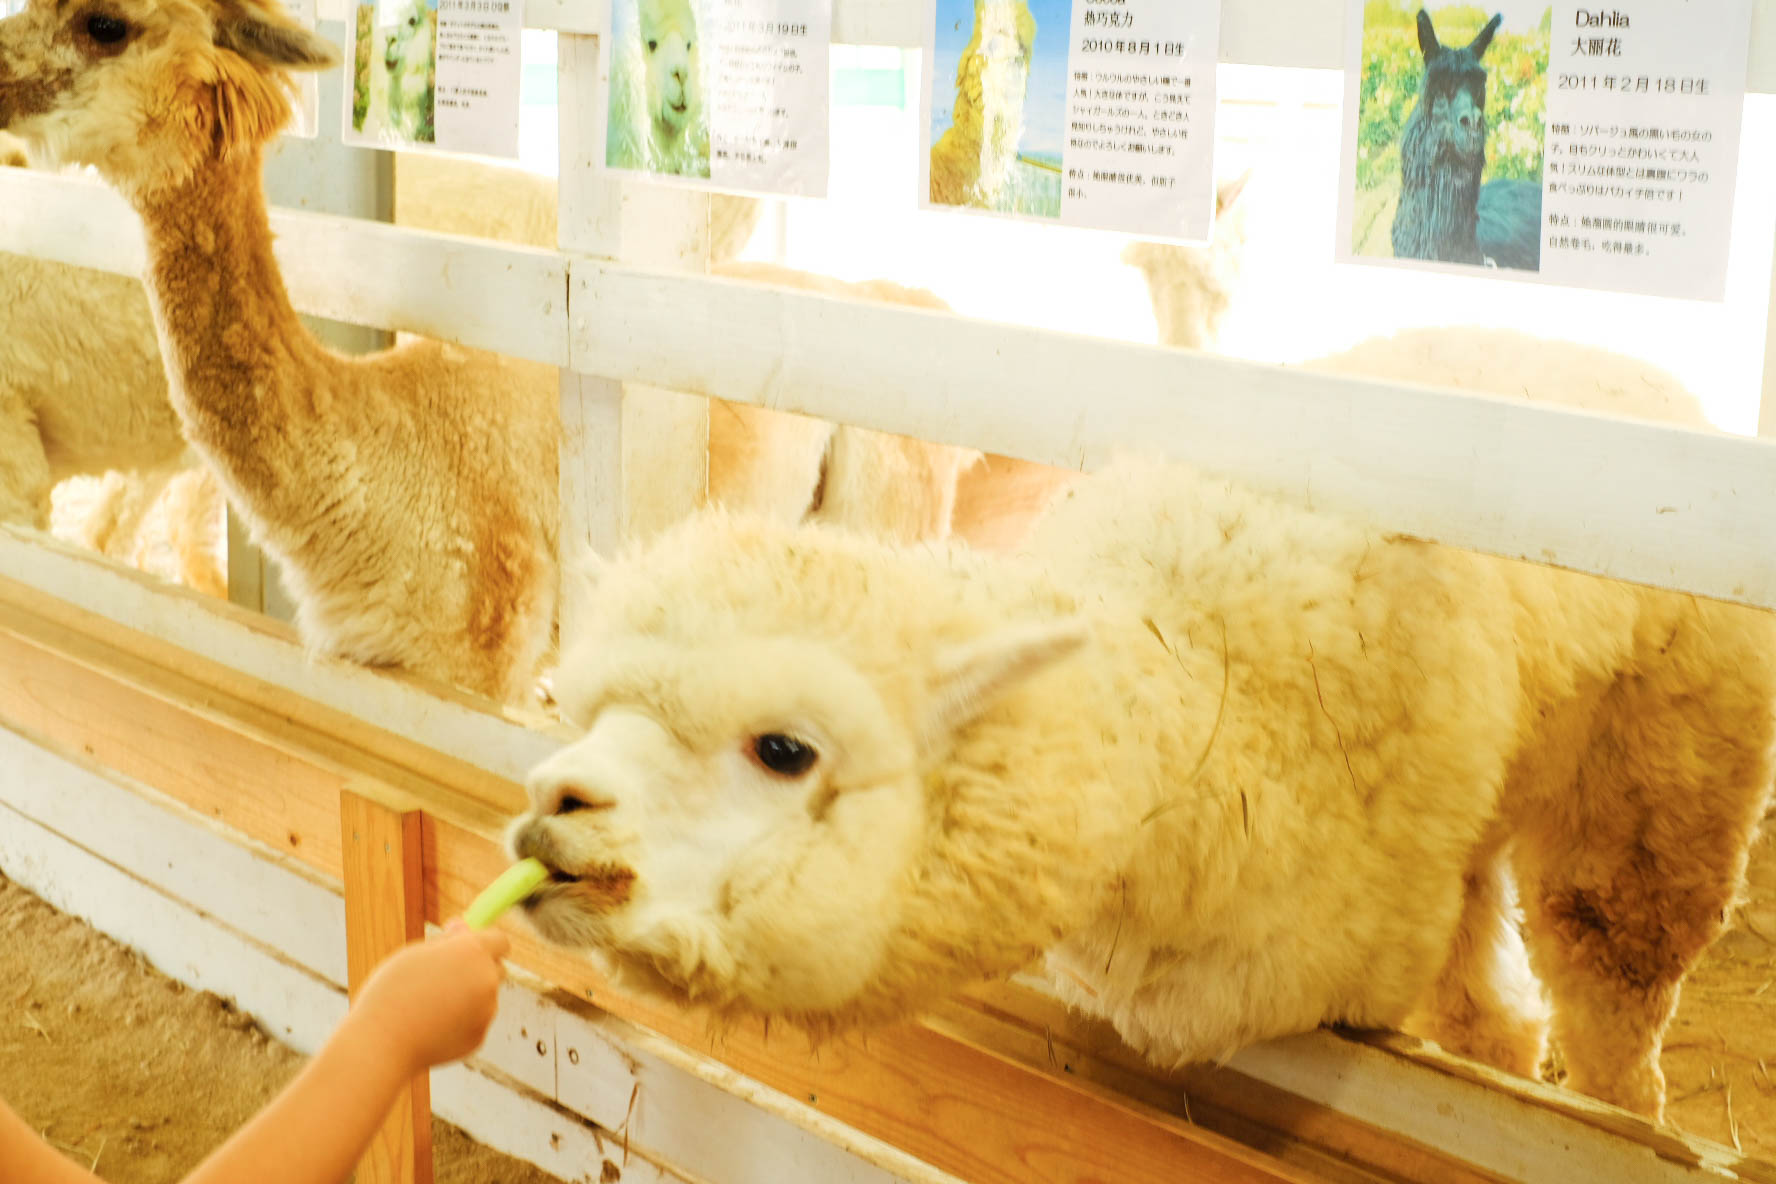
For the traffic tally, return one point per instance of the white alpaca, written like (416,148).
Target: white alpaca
(1230,769)
(657,120)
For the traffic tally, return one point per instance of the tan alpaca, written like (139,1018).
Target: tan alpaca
(973,159)
(790,467)
(793,467)
(1192,288)
(409,496)
(88,442)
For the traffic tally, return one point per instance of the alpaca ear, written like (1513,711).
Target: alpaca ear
(1427,37)
(971,677)
(275,44)
(1484,39)
(248,106)
(1229,192)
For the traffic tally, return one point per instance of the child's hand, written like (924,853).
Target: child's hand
(433,1001)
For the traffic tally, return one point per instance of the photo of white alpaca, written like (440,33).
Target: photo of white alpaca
(996,144)
(658,120)
(395,71)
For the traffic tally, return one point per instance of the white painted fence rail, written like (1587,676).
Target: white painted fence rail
(1653,504)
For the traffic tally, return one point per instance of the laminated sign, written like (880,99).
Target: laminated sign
(1587,146)
(1095,113)
(435,74)
(728,94)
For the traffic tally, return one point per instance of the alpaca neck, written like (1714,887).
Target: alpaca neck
(1436,219)
(234,347)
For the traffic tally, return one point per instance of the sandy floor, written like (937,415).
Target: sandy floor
(1720,1050)
(136,1076)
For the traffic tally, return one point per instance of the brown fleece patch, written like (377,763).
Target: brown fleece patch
(601,891)
(1629,948)
(21,97)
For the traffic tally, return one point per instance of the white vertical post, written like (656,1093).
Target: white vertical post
(1766,424)
(633,458)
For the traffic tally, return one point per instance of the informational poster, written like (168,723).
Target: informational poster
(1093,113)
(732,94)
(305,123)
(436,74)
(1591,147)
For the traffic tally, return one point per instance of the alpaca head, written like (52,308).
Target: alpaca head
(991,79)
(764,811)
(146,90)
(409,48)
(408,56)
(671,50)
(1191,286)
(1452,95)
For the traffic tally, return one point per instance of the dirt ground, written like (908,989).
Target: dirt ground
(133,1074)
(1720,1050)
(123,1068)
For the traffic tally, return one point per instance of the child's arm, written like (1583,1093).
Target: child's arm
(430,1003)
(426,1005)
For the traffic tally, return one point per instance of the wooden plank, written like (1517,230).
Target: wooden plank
(1638,501)
(501,741)
(1039,1029)
(655,1093)
(173,938)
(243,884)
(473,291)
(384,910)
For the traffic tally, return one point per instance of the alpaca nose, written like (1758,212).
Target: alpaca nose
(572,798)
(564,793)
(1467,123)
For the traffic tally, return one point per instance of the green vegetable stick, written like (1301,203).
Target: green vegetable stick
(512,886)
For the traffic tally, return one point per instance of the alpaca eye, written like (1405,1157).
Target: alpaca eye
(653,45)
(106,30)
(783,755)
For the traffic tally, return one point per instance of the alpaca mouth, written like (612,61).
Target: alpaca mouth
(602,888)
(678,108)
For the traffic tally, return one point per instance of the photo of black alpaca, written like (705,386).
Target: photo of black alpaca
(1445,213)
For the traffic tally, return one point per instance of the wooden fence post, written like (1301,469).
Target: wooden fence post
(384,910)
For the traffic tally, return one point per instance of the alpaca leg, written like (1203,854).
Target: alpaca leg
(196,523)
(894,487)
(764,462)
(1612,969)
(1629,876)
(1486,1004)
(24,469)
